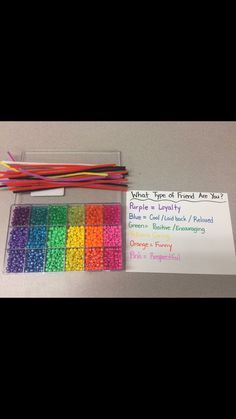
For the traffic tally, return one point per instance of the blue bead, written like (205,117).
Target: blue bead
(34,260)
(37,237)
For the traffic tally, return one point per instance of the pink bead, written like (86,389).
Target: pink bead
(112,236)
(112,214)
(112,258)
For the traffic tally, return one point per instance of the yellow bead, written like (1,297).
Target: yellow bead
(74,259)
(75,237)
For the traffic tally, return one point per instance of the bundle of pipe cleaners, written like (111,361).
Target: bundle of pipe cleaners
(28,177)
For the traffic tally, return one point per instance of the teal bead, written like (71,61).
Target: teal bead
(39,215)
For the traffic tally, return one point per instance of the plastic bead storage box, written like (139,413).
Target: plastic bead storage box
(64,237)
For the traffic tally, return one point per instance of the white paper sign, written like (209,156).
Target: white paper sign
(179,232)
(49,192)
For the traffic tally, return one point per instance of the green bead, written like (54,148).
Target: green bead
(56,237)
(57,215)
(55,260)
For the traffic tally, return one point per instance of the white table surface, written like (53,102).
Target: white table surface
(199,156)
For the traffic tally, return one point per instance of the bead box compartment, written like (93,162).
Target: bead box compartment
(64,237)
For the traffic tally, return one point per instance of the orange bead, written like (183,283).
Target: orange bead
(94,214)
(93,236)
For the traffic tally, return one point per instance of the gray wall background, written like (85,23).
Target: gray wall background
(160,156)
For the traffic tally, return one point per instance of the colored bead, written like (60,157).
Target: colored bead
(57,215)
(94,214)
(18,237)
(56,237)
(94,259)
(112,236)
(20,216)
(112,258)
(75,237)
(39,216)
(37,237)
(76,215)
(75,259)
(15,261)
(55,260)
(93,236)
(34,260)
(112,214)
(71,237)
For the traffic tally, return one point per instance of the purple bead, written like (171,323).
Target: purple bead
(20,216)
(15,260)
(18,237)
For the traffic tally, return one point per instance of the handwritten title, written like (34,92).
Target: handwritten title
(177,196)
